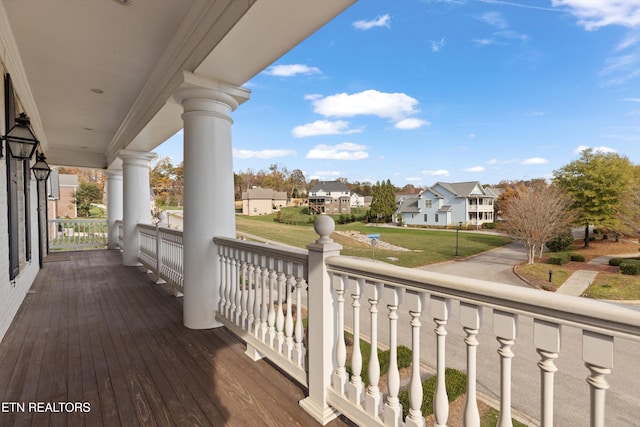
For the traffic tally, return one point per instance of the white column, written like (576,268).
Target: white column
(136,201)
(114,206)
(208,191)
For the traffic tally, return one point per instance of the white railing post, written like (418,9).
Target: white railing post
(546,338)
(440,308)
(301,286)
(597,353)
(392,409)
(355,386)
(416,304)
(505,327)
(340,374)
(321,335)
(373,396)
(471,320)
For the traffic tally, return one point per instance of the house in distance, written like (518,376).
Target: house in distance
(262,201)
(331,197)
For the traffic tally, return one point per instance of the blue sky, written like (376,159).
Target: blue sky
(420,91)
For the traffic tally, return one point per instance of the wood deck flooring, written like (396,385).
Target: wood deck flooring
(103,341)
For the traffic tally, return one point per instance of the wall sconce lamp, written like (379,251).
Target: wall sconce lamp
(20,141)
(41,169)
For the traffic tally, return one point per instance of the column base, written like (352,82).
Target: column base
(322,415)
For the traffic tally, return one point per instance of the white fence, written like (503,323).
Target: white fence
(73,234)
(266,292)
(161,252)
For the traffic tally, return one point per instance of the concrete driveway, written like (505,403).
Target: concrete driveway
(495,265)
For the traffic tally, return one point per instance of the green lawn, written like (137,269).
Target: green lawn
(427,246)
(614,286)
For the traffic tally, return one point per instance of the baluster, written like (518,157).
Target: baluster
(251,298)
(546,338)
(288,324)
(233,285)
(415,418)
(271,317)
(355,386)
(299,331)
(471,320)
(440,308)
(223,278)
(282,279)
(505,327)
(392,408)
(257,321)
(372,397)
(264,313)
(597,353)
(240,273)
(340,374)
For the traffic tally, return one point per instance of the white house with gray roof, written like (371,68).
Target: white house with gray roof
(332,197)
(446,203)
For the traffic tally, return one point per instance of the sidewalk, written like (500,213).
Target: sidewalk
(580,280)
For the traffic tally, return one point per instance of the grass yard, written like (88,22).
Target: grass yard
(609,284)
(426,246)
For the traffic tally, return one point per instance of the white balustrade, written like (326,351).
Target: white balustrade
(259,288)
(263,300)
(74,234)
(161,253)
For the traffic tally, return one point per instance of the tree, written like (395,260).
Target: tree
(86,194)
(297,183)
(629,216)
(597,184)
(535,214)
(383,203)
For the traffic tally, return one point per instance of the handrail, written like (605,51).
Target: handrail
(593,315)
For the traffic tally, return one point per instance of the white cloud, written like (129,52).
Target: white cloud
(601,149)
(534,161)
(344,151)
(413,179)
(325,174)
(484,42)
(323,127)
(262,154)
(536,114)
(474,169)
(495,19)
(492,161)
(594,14)
(380,21)
(291,70)
(472,136)
(436,46)
(411,123)
(393,106)
(439,172)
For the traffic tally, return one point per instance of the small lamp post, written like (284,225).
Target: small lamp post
(41,171)
(457,230)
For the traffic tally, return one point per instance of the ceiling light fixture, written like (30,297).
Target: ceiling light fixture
(96,90)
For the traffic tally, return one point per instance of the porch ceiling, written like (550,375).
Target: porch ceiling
(135,52)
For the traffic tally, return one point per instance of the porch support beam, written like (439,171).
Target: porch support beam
(208,191)
(114,206)
(136,201)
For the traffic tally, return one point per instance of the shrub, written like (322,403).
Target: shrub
(616,261)
(455,383)
(489,225)
(559,259)
(630,267)
(578,257)
(561,242)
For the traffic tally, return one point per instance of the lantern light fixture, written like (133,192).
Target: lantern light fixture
(41,169)
(20,141)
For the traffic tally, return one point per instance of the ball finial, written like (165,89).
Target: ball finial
(324,226)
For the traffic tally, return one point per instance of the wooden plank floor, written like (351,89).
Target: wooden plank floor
(98,344)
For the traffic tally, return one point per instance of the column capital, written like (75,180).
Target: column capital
(114,174)
(132,157)
(196,88)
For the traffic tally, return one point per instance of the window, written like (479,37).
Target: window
(427,204)
(425,218)
(436,218)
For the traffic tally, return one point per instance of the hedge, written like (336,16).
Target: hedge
(630,267)
(578,257)
(559,258)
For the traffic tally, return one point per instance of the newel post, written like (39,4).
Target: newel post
(321,322)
